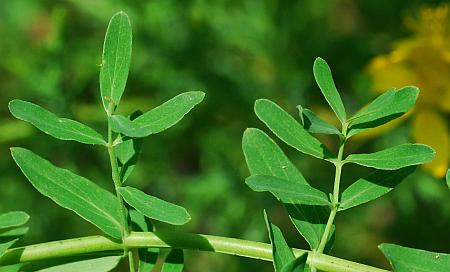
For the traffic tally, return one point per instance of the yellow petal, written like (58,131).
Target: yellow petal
(430,128)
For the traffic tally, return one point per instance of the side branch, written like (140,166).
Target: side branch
(232,246)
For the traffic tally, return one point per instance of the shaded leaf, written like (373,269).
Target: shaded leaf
(71,191)
(153,207)
(313,124)
(404,259)
(282,254)
(5,244)
(297,265)
(386,107)
(264,157)
(115,60)
(11,268)
(13,219)
(324,79)
(289,130)
(287,191)
(374,186)
(102,264)
(60,128)
(174,261)
(147,256)
(395,157)
(159,118)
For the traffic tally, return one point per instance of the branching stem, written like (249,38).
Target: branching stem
(232,246)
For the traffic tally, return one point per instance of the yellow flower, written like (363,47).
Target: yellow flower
(423,60)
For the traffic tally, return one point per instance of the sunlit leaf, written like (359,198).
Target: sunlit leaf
(324,79)
(147,256)
(13,219)
(287,191)
(60,128)
(282,254)
(264,157)
(313,124)
(395,157)
(115,60)
(14,232)
(11,268)
(289,130)
(153,207)
(404,259)
(71,191)
(388,106)
(174,261)
(372,187)
(159,118)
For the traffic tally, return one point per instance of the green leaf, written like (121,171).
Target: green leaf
(13,232)
(404,259)
(174,261)
(147,256)
(395,157)
(386,107)
(155,208)
(60,128)
(264,157)
(374,186)
(447,178)
(11,268)
(127,154)
(324,79)
(71,191)
(297,265)
(5,244)
(115,60)
(313,124)
(289,130)
(159,118)
(13,219)
(102,264)
(287,191)
(282,254)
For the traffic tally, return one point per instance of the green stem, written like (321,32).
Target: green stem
(232,246)
(117,184)
(335,200)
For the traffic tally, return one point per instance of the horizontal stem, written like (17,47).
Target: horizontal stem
(244,248)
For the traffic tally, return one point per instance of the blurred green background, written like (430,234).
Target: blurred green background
(235,51)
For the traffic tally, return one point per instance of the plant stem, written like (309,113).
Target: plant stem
(335,200)
(117,184)
(232,246)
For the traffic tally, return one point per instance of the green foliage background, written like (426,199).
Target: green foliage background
(237,52)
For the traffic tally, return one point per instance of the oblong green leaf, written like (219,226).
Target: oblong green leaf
(60,128)
(13,232)
(127,154)
(386,107)
(71,191)
(5,244)
(324,79)
(174,261)
(372,187)
(265,157)
(281,253)
(159,118)
(287,191)
(153,207)
(13,219)
(102,264)
(297,265)
(289,130)
(404,259)
(395,157)
(313,124)
(116,60)
(11,268)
